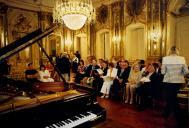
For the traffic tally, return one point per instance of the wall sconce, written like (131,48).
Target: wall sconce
(116,39)
(155,35)
(27,52)
(68,42)
(2,38)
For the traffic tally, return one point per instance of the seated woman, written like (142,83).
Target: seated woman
(45,76)
(80,72)
(133,79)
(49,67)
(108,80)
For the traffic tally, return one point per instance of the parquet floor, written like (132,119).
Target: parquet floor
(121,115)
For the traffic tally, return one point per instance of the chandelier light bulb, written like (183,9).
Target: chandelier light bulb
(73,13)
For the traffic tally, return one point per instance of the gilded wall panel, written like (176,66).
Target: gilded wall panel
(20,23)
(3,29)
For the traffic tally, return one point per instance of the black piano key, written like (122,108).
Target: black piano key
(52,126)
(67,121)
(73,118)
(57,124)
(77,117)
(85,114)
(89,113)
(81,115)
(61,123)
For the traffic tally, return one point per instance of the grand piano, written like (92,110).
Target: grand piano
(20,108)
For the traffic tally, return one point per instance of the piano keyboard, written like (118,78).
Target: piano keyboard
(74,121)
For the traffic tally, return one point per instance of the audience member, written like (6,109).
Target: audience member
(75,63)
(80,72)
(143,89)
(121,79)
(104,67)
(49,67)
(78,55)
(108,80)
(133,79)
(45,75)
(100,61)
(64,66)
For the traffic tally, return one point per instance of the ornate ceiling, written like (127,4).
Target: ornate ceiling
(179,7)
(176,7)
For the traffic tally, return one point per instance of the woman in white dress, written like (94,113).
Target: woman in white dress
(45,75)
(108,80)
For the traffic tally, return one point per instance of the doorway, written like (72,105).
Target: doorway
(135,42)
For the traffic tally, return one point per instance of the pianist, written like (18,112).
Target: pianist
(31,74)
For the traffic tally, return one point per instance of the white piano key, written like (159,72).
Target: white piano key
(68,123)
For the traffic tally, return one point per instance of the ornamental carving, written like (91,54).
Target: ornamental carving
(103,18)
(3,7)
(21,23)
(102,14)
(135,11)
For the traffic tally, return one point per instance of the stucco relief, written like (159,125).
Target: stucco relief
(103,18)
(135,12)
(21,23)
(102,14)
(82,30)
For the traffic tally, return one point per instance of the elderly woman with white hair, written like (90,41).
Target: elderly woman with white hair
(174,69)
(133,80)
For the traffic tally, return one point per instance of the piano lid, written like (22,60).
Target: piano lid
(24,42)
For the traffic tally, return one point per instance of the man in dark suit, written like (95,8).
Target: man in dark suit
(91,68)
(64,66)
(122,78)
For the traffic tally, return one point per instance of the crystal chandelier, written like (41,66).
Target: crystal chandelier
(73,13)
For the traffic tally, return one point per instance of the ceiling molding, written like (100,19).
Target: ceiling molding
(98,3)
(175,5)
(29,5)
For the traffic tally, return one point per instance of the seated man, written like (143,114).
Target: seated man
(31,74)
(145,89)
(45,75)
(90,72)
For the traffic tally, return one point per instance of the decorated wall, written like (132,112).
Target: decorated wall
(148,27)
